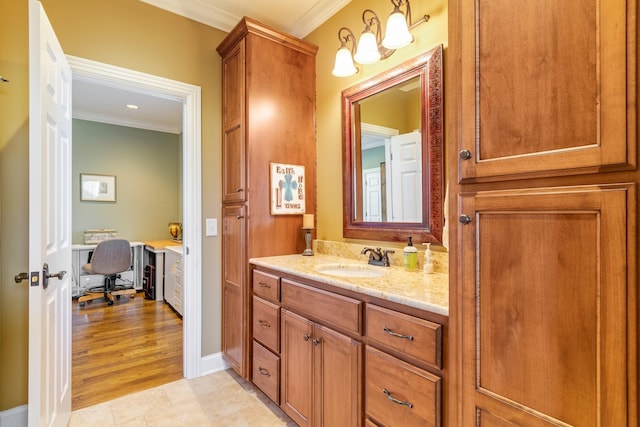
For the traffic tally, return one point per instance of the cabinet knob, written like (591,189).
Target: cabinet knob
(464,219)
(264,371)
(316,341)
(307,337)
(239,190)
(465,154)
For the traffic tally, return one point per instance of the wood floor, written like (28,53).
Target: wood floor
(132,345)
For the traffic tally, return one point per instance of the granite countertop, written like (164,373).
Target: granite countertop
(415,289)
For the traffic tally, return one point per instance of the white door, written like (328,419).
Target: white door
(406,177)
(372,195)
(49,225)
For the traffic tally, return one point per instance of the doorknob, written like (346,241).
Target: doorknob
(46,275)
(21,276)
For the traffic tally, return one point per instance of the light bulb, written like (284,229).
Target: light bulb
(343,66)
(397,34)
(367,52)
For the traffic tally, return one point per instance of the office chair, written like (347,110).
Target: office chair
(110,257)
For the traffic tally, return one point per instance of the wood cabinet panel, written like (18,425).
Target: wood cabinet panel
(338,379)
(232,334)
(400,394)
(234,331)
(266,323)
(255,58)
(569,105)
(266,372)
(547,305)
(332,309)
(297,368)
(413,337)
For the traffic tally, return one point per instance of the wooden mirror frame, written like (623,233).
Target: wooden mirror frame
(429,67)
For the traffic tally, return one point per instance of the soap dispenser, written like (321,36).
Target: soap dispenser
(428,259)
(410,256)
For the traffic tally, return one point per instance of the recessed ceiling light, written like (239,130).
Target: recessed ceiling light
(132,106)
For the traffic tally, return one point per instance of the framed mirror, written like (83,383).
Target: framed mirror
(393,160)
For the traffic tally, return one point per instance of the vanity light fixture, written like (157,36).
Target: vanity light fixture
(372,47)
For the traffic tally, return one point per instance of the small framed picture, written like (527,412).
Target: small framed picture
(287,189)
(97,188)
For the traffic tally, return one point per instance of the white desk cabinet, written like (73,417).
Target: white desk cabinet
(81,255)
(173,283)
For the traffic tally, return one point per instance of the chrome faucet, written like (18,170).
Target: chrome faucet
(378,256)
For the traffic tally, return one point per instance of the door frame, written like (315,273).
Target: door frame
(190,97)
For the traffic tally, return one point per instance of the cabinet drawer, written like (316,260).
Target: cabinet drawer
(266,323)
(266,285)
(266,372)
(326,307)
(414,337)
(391,385)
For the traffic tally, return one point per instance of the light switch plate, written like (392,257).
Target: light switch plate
(211,227)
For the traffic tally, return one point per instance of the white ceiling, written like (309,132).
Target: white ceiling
(94,102)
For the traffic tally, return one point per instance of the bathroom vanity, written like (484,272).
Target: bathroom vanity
(338,342)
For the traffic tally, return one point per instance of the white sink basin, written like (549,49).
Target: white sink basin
(350,270)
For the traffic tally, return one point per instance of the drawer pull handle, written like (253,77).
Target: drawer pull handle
(264,371)
(264,323)
(397,335)
(264,285)
(394,400)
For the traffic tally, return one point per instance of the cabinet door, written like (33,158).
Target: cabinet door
(563,108)
(234,323)
(233,112)
(548,306)
(338,379)
(297,367)
(169,282)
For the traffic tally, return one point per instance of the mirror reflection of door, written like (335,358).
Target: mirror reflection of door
(372,195)
(404,174)
(390,139)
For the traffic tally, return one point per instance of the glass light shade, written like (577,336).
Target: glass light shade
(343,66)
(367,52)
(397,34)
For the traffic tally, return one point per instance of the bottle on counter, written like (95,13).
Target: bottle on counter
(410,256)
(428,259)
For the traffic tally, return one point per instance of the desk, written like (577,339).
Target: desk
(80,255)
(154,251)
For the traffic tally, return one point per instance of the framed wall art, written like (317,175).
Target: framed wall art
(97,188)
(287,189)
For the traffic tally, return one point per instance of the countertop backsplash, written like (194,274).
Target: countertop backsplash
(352,251)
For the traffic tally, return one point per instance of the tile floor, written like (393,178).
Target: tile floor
(221,399)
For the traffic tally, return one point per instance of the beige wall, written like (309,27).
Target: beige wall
(329,133)
(125,33)
(146,165)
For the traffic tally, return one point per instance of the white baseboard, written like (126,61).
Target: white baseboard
(212,363)
(14,417)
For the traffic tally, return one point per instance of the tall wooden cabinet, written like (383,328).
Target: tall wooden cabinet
(542,111)
(268,97)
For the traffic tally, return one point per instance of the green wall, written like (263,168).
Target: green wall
(147,167)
